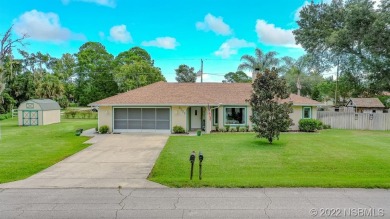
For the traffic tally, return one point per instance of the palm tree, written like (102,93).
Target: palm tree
(259,62)
(296,68)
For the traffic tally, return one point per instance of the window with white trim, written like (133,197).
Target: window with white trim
(235,116)
(306,113)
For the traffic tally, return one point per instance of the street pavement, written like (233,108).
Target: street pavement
(194,203)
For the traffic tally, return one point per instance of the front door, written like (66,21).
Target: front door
(195,117)
(30,118)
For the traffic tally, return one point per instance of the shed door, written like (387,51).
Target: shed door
(30,118)
(141,119)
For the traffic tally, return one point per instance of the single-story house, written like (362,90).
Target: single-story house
(39,112)
(365,105)
(161,106)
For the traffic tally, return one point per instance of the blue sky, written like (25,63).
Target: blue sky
(173,32)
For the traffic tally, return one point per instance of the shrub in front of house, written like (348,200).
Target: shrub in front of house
(103,129)
(177,129)
(309,125)
(326,127)
(243,129)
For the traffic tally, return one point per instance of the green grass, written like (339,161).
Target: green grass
(331,158)
(25,151)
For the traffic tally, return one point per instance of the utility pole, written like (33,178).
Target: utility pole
(201,70)
(337,82)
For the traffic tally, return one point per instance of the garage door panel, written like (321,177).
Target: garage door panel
(134,113)
(120,113)
(162,114)
(160,125)
(141,119)
(134,124)
(120,124)
(149,114)
(148,124)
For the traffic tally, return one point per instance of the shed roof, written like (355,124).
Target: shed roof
(367,102)
(163,93)
(46,104)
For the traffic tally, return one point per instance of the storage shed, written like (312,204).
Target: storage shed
(39,112)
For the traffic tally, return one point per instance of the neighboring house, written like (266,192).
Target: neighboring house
(365,105)
(161,106)
(39,112)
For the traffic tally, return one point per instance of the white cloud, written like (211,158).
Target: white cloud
(214,24)
(296,15)
(43,26)
(108,3)
(231,46)
(120,34)
(162,42)
(271,35)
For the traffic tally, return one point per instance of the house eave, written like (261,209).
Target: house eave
(170,104)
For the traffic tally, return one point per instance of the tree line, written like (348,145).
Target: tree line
(350,39)
(82,78)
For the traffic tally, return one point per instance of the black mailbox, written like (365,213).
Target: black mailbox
(200,156)
(192,157)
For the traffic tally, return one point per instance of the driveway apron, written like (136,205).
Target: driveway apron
(114,160)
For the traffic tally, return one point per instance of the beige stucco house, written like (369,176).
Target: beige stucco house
(39,112)
(161,106)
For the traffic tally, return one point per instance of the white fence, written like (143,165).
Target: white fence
(361,121)
(14,113)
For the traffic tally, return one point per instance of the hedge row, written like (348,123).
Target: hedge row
(80,114)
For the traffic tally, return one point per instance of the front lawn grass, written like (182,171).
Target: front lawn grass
(330,158)
(25,151)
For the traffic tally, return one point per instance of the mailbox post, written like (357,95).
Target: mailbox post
(192,160)
(200,165)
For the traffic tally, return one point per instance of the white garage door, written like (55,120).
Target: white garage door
(142,119)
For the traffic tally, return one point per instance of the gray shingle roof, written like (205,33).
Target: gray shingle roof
(367,102)
(46,104)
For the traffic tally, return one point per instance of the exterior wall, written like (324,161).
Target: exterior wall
(51,116)
(249,112)
(20,118)
(296,115)
(314,112)
(105,117)
(370,110)
(179,117)
(208,122)
(23,107)
(220,117)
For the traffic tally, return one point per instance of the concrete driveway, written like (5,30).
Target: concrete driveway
(113,160)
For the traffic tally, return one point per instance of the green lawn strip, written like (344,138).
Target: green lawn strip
(330,158)
(25,151)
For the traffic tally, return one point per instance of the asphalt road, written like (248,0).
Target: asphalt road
(195,203)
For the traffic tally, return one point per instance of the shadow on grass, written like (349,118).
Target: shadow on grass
(262,143)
